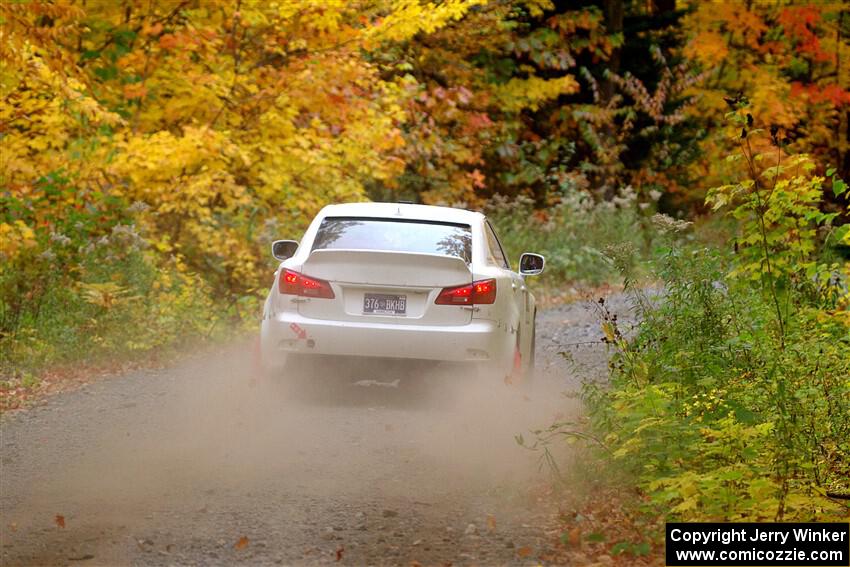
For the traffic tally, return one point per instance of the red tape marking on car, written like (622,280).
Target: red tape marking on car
(296,328)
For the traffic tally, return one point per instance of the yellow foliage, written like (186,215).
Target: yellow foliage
(707,46)
(537,7)
(14,237)
(43,112)
(772,98)
(217,121)
(409,17)
(528,93)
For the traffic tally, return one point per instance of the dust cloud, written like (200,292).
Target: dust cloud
(211,450)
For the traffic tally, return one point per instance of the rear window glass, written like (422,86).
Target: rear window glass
(396,235)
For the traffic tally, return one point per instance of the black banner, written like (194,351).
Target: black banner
(762,544)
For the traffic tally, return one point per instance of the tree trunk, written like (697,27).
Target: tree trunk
(613,24)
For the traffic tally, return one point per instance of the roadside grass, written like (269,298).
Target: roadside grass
(112,306)
(573,235)
(581,239)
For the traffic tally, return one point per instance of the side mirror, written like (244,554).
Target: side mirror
(284,249)
(531,264)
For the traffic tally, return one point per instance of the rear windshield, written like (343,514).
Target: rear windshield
(397,235)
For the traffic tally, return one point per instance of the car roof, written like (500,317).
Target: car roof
(402,211)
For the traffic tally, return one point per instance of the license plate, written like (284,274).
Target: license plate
(384,304)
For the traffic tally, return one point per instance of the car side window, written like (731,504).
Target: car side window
(497,254)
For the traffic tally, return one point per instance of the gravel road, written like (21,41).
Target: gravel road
(200,465)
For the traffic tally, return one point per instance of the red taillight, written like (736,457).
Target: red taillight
(293,283)
(477,293)
(455,296)
(484,292)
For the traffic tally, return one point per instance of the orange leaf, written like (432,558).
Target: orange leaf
(477,179)
(491,522)
(60,520)
(242,543)
(574,537)
(524,551)
(168,41)
(152,30)
(135,90)
(339,553)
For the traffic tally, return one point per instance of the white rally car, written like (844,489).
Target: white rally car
(401,281)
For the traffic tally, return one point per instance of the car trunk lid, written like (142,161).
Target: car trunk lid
(386,286)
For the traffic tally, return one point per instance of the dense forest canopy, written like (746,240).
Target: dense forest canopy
(211,126)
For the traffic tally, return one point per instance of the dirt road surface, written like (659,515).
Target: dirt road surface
(195,465)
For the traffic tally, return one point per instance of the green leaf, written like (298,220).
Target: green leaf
(730,475)
(106,73)
(841,232)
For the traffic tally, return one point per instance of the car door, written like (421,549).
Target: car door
(518,288)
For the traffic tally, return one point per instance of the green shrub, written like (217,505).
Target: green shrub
(87,285)
(732,402)
(575,234)
(716,418)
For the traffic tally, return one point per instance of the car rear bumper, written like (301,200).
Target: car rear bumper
(479,341)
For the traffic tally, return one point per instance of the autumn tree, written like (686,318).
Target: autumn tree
(221,118)
(789,61)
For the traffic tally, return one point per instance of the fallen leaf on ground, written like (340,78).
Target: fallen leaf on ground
(339,553)
(524,551)
(574,537)
(491,522)
(60,520)
(242,543)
